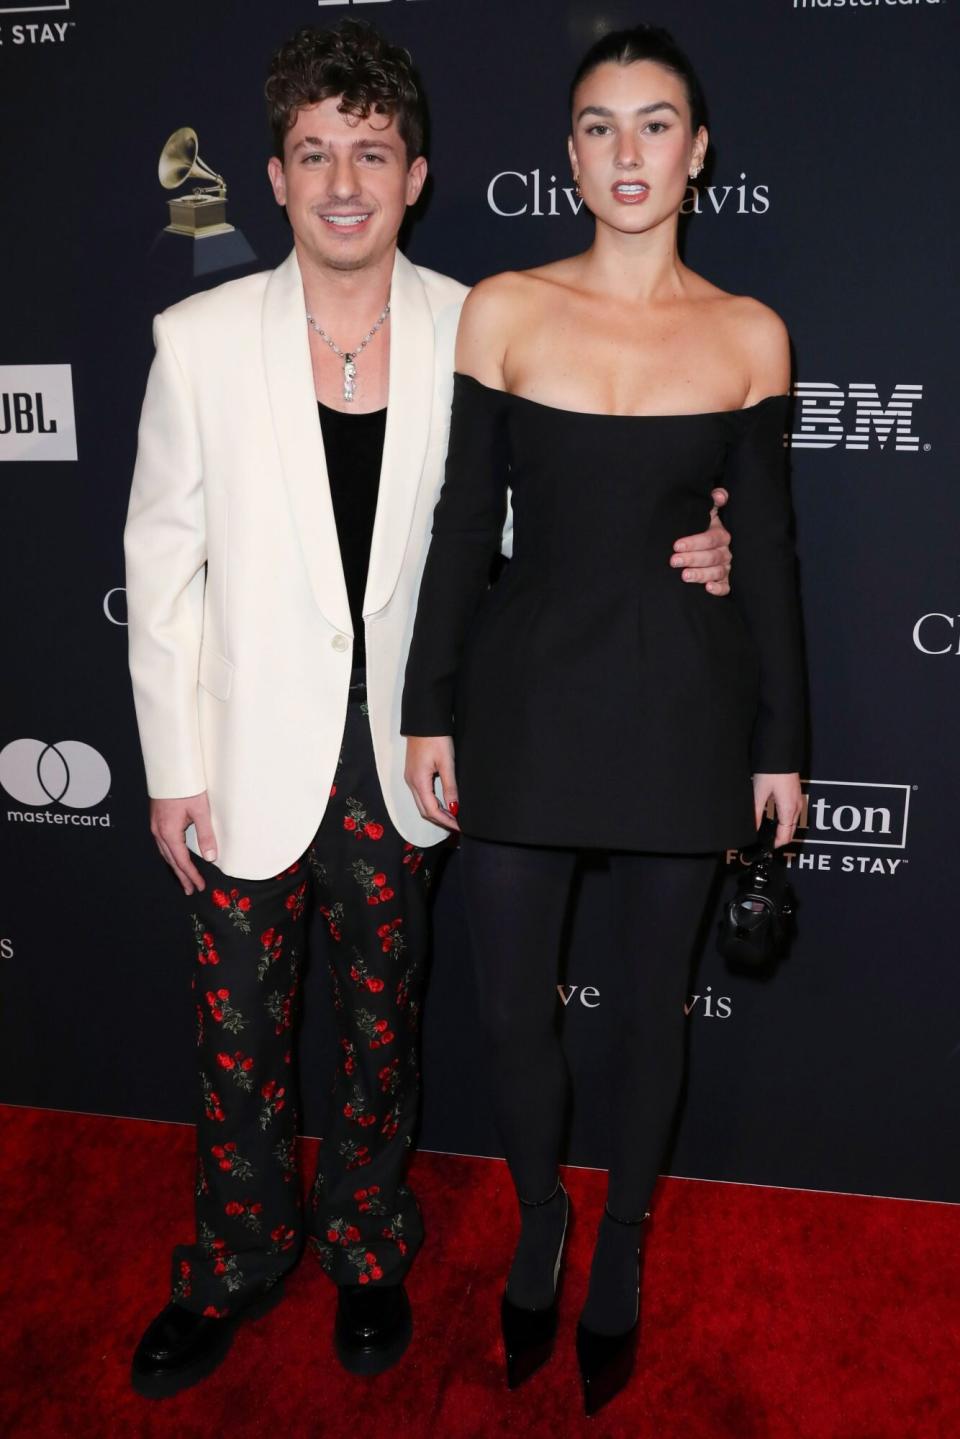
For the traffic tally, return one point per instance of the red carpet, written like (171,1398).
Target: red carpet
(768,1314)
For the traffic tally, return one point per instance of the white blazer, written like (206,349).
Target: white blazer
(240,635)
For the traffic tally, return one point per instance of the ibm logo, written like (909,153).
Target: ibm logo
(820,426)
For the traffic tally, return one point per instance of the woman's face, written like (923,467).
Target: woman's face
(632,147)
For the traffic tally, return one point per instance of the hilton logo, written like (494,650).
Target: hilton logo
(859,815)
(36,413)
(852,815)
(821,421)
(41,31)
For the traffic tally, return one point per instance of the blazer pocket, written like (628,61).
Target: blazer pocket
(216,673)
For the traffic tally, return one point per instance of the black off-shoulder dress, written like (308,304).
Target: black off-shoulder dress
(595,699)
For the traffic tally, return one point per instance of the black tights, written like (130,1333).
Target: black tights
(516,901)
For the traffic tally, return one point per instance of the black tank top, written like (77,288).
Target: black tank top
(353,444)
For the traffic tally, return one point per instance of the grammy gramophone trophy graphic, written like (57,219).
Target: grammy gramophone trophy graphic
(199,216)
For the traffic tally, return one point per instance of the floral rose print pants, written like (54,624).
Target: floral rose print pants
(368,888)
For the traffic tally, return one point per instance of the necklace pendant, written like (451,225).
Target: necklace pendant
(349,376)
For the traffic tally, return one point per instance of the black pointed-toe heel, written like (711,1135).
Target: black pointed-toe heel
(606,1360)
(529,1334)
(606,1364)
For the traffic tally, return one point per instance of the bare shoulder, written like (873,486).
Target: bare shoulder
(762,339)
(493,312)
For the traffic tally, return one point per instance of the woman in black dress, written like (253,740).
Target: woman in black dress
(596,704)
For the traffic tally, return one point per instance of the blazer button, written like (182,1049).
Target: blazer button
(340,642)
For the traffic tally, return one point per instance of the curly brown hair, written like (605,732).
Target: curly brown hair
(354,61)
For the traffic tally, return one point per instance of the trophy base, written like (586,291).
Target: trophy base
(212,250)
(198,234)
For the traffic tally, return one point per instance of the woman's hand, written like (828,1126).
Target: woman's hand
(426,759)
(784,790)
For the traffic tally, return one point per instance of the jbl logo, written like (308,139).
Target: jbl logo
(822,423)
(36,413)
(23,414)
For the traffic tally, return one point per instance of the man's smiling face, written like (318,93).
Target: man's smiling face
(346,183)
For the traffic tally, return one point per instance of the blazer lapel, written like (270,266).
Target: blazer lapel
(410,409)
(286,354)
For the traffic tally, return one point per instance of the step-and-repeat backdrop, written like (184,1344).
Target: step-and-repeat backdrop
(829,194)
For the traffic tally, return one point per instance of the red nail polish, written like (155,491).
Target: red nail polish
(454,808)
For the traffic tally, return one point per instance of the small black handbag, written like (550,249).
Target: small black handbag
(758,923)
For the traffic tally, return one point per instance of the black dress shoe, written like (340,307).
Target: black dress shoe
(180,1347)
(529,1334)
(373,1326)
(606,1360)
(606,1363)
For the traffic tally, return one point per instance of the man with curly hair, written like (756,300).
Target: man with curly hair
(290,454)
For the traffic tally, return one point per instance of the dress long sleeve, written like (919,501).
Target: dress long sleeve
(468,524)
(764,582)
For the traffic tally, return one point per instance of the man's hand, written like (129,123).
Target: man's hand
(705,559)
(426,759)
(169,821)
(784,790)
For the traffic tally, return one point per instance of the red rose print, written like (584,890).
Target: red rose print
(380,879)
(373,830)
(349,822)
(386,894)
(235,906)
(225,1061)
(234,1208)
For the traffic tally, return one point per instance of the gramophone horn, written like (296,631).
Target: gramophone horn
(179,161)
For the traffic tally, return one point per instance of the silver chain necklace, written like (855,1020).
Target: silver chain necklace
(349,357)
